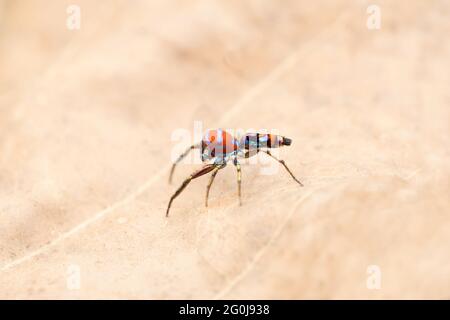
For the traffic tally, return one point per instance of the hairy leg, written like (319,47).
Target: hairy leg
(181,157)
(211,180)
(238,168)
(204,170)
(284,165)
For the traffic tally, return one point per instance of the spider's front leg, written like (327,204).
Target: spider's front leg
(211,180)
(204,170)
(238,168)
(181,157)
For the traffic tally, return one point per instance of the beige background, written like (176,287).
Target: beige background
(86,119)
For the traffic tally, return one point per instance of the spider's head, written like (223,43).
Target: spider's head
(218,144)
(206,152)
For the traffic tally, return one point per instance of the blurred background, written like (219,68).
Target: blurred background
(91,92)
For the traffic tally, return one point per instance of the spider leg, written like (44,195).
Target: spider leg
(202,171)
(211,180)
(284,165)
(181,157)
(238,168)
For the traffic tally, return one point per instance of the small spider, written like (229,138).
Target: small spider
(220,147)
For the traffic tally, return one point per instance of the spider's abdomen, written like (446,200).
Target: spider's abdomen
(256,141)
(218,144)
